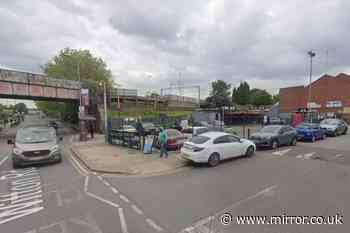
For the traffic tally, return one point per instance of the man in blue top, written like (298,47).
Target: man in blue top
(162,143)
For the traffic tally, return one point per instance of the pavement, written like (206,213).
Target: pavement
(291,181)
(99,157)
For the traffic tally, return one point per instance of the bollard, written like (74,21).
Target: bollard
(248,133)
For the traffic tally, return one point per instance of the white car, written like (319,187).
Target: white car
(211,147)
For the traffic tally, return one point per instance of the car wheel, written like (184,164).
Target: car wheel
(16,165)
(250,151)
(345,131)
(274,144)
(214,159)
(313,139)
(293,142)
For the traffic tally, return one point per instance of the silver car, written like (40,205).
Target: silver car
(35,145)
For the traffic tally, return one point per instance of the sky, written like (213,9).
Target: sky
(153,44)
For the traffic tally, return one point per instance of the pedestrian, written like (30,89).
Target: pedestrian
(91,129)
(141,133)
(162,143)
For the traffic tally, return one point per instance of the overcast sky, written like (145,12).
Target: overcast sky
(147,44)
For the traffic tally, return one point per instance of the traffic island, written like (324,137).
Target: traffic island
(102,158)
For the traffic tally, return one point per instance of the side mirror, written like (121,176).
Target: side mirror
(10,142)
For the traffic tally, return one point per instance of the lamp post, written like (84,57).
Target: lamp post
(311,54)
(105,107)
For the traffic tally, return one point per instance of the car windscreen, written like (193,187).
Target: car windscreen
(35,135)
(307,126)
(330,122)
(199,139)
(270,129)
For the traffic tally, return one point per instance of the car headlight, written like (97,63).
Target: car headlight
(17,151)
(55,149)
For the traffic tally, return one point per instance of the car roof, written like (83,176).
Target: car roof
(214,134)
(36,126)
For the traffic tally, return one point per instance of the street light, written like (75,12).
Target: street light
(311,54)
(105,106)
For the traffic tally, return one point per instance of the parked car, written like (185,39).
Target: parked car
(175,139)
(212,147)
(334,127)
(310,132)
(276,121)
(194,131)
(150,128)
(53,124)
(274,136)
(128,128)
(35,145)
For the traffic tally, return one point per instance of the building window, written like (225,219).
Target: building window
(334,104)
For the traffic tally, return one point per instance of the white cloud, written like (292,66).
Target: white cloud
(147,45)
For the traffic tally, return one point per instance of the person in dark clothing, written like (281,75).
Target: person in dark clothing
(141,133)
(91,129)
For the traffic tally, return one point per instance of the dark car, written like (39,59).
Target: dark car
(274,136)
(35,145)
(334,127)
(310,132)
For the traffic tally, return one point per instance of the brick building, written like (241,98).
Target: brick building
(329,95)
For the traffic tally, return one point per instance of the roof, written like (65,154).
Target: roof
(214,134)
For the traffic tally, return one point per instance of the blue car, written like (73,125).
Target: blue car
(310,132)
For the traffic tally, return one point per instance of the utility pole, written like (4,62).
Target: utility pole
(311,54)
(105,109)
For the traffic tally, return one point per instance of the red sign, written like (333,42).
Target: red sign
(20,89)
(5,88)
(35,90)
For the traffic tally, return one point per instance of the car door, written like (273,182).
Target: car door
(222,146)
(229,146)
(290,134)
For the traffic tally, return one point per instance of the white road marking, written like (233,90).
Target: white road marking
(338,156)
(3,160)
(281,152)
(77,165)
(267,191)
(154,225)
(86,183)
(106,183)
(300,156)
(137,209)
(124,198)
(102,200)
(114,190)
(122,221)
(308,155)
(100,178)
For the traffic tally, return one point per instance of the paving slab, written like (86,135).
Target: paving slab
(100,157)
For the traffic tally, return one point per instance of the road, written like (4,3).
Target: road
(306,180)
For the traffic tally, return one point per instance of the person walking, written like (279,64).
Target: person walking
(141,133)
(91,129)
(162,143)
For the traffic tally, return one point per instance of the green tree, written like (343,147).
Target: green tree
(241,95)
(74,64)
(219,95)
(21,108)
(260,97)
(275,98)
